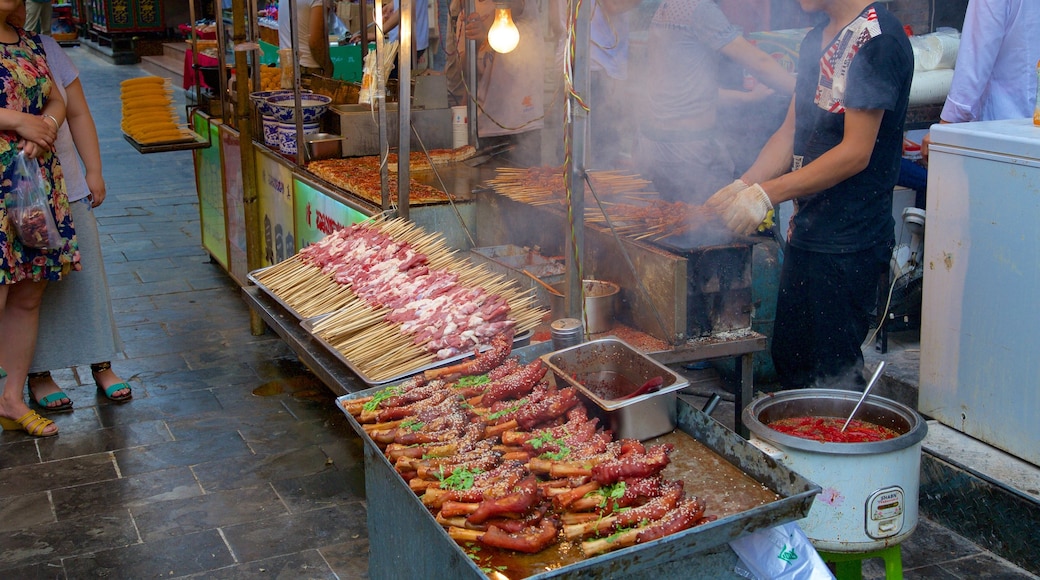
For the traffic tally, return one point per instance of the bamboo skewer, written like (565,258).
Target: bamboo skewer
(358,330)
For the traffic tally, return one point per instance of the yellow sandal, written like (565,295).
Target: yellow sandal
(31,422)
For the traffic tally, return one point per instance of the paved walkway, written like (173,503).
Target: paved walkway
(231,461)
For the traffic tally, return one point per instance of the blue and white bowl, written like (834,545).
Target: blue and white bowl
(259,99)
(287,136)
(272,138)
(312,105)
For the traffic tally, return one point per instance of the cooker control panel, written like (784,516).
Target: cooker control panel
(884,514)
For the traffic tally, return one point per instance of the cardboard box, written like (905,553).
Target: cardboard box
(350,14)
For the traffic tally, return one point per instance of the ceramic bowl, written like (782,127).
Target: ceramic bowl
(313,106)
(287,136)
(259,99)
(271,135)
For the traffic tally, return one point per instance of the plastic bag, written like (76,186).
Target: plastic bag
(27,206)
(780,553)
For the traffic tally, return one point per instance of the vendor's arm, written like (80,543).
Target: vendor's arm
(841,162)
(84,135)
(761,65)
(984,25)
(319,39)
(756,94)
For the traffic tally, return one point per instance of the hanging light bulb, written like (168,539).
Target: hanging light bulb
(503,35)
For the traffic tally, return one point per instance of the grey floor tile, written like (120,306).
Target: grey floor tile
(114,438)
(40,570)
(177,517)
(293,533)
(252,469)
(130,492)
(321,490)
(308,564)
(985,566)
(32,510)
(15,481)
(172,557)
(181,453)
(349,559)
(69,538)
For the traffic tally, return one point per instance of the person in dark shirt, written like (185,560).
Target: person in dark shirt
(837,156)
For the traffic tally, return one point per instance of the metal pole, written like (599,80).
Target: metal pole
(384,144)
(575,246)
(404,105)
(470,78)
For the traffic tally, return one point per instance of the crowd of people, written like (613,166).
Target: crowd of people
(836,155)
(45,117)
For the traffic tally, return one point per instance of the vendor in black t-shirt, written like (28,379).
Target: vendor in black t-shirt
(837,156)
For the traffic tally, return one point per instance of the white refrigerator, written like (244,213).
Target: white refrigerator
(980,322)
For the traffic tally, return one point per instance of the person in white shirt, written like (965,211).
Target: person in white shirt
(312,35)
(995,73)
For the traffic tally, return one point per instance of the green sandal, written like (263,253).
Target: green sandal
(45,401)
(107,392)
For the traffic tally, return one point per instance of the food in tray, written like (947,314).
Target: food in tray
(360,176)
(148,114)
(420,161)
(505,459)
(396,299)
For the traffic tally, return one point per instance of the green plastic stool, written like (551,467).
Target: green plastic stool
(849,566)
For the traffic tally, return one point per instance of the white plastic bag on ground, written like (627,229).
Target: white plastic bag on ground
(779,553)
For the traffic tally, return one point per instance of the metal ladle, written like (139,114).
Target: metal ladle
(873,379)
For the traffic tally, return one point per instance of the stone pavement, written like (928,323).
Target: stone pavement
(231,461)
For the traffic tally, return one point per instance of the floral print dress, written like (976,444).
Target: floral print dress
(24,86)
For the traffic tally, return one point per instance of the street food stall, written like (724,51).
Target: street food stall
(377,286)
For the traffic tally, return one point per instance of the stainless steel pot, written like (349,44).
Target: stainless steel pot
(870,490)
(600,301)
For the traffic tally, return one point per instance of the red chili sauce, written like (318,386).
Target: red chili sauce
(828,429)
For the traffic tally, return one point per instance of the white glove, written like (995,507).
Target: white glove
(747,210)
(723,197)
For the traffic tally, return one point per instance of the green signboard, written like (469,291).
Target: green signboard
(209,181)
(318,215)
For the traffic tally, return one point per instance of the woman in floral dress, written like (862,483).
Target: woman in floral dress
(31,110)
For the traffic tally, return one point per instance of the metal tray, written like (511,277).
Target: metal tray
(612,364)
(406,540)
(519,340)
(252,278)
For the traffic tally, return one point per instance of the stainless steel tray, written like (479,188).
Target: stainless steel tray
(519,340)
(252,278)
(406,540)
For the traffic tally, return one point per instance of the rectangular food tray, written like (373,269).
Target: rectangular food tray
(611,364)
(519,340)
(251,276)
(407,542)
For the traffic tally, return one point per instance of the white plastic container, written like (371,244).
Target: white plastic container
(870,490)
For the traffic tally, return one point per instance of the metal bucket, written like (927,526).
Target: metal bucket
(600,301)
(870,490)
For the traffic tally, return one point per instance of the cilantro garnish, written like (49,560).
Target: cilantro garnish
(460,479)
(380,397)
(412,424)
(472,381)
(613,491)
(511,409)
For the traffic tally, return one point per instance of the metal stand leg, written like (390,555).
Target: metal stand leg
(746,375)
